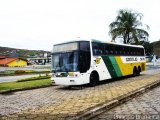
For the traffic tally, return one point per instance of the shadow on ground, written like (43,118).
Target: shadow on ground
(80,87)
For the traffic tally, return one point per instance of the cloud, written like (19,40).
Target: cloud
(38,24)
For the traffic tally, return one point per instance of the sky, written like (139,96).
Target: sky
(38,24)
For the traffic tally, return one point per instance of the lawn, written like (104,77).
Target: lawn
(7,86)
(22,72)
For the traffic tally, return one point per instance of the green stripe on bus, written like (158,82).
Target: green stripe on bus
(115,66)
(109,66)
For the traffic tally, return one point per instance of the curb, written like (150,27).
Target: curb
(88,114)
(23,89)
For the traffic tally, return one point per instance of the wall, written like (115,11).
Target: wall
(17,63)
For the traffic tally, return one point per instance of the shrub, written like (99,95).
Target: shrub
(19,72)
(29,71)
(34,78)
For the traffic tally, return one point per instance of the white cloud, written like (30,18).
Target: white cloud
(38,24)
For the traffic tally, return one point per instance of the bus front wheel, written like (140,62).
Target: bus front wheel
(94,79)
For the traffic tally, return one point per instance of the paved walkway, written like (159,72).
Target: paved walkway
(58,102)
(145,106)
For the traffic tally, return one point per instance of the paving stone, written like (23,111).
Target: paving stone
(58,101)
(146,104)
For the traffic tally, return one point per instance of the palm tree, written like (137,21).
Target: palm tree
(128,26)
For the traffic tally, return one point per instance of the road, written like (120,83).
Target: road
(146,107)
(15,78)
(36,68)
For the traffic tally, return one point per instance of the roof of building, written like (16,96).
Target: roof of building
(7,60)
(2,57)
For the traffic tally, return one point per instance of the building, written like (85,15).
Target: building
(2,57)
(13,62)
(43,60)
(39,61)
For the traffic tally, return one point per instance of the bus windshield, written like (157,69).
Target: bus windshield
(71,57)
(65,62)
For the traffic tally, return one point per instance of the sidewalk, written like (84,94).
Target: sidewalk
(145,107)
(85,100)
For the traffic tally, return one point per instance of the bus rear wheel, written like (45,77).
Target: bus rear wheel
(139,71)
(94,79)
(135,71)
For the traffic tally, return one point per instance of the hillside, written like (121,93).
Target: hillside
(156,47)
(23,53)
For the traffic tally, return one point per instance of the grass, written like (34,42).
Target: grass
(34,78)
(7,86)
(22,72)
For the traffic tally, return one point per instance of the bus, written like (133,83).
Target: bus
(81,62)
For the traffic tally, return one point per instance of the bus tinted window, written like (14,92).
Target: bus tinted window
(84,46)
(106,50)
(97,48)
(111,49)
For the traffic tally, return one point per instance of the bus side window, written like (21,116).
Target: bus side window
(94,48)
(120,50)
(134,51)
(111,50)
(127,49)
(123,51)
(84,61)
(100,48)
(106,50)
(142,51)
(116,50)
(85,46)
(97,49)
(130,51)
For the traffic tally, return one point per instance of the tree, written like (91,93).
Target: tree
(128,26)
(147,46)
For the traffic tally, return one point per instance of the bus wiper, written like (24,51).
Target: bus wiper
(56,68)
(65,68)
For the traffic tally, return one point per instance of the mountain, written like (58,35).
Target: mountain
(23,53)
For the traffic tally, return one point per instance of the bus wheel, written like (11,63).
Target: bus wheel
(138,71)
(94,78)
(135,71)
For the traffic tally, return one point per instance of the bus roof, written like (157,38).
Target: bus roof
(98,41)
(112,43)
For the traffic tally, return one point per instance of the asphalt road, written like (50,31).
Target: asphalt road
(36,68)
(15,78)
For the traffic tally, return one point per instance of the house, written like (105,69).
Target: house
(13,62)
(2,57)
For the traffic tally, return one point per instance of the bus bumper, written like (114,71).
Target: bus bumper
(68,81)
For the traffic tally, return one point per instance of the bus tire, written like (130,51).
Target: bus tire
(135,71)
(138,71)
(94,78)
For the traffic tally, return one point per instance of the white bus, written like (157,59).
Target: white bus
(90,61)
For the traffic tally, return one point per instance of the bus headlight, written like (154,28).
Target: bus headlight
(72,74)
